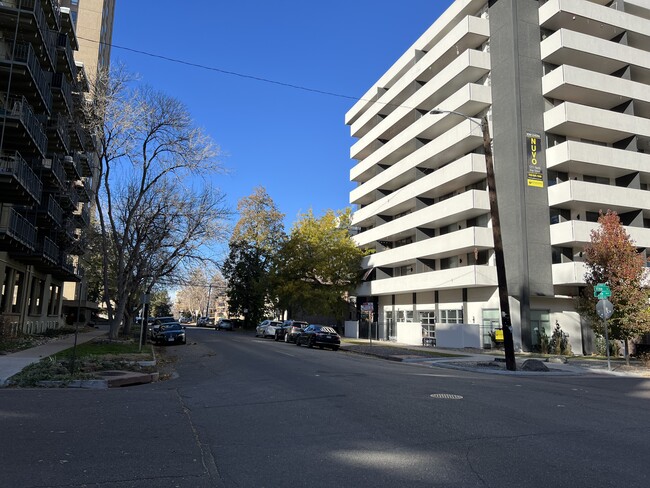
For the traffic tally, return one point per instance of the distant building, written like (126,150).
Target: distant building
(564,85)
(46,160)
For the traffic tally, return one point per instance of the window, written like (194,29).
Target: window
(17,292)
(451,316)
(427,317)
(540,323)
(53,305)
(5,289)
(448,263)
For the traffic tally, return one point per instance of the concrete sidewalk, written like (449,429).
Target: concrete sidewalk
(487,361)
(11,364)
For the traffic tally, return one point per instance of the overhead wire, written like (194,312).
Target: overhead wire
(245,76)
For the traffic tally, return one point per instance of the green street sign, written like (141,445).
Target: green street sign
(602,291)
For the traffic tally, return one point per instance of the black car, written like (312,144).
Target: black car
(289,330)
(319,335)
(170,332)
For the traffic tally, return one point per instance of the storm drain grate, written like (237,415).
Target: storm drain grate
(446,396)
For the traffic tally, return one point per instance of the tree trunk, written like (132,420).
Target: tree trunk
(627,352)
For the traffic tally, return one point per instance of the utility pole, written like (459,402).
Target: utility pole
(502,283)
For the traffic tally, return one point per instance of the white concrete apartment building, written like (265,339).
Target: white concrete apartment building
(564,84)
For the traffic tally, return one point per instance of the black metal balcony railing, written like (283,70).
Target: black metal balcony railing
(15,165)
(50,250)
(67,263)
(34,9)
(69,198)
(24,53)
(78,135)
(53,166)
(55,211)
(66,58)
(58,124)
(83,217)
(83,190)
(53,10)
(18,228)
(18,108)
(62,86)
(72,166)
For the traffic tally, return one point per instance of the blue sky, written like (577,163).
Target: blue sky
(292,142)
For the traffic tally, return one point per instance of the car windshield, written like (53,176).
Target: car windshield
(163,320)
(171,327)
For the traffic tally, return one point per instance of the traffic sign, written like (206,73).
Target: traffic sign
(604,309)
(602,291)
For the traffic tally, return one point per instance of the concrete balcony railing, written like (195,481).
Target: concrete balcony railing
(454,278)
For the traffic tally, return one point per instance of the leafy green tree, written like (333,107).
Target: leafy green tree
(256,239)
(318,265)
(612,258)
(160,304)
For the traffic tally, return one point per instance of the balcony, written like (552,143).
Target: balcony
(53,175)
(572,120)
(576,194)
(44,256)
(16,232)
(50,213)
(461,277)
(69,198)
(33,20)
(23,131)
(83,190)
(464,241)
(72,166)
(65,59)
(18,183)
(466,205)
(82,217)
(78,135)
(59,136)
(62,90)
(569,274)
(27,73)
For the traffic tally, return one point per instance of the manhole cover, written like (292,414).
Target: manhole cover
(446,396)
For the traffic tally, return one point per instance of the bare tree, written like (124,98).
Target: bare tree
(157,214)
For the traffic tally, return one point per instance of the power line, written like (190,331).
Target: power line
(242,75)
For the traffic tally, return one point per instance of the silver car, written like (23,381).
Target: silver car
(267,328)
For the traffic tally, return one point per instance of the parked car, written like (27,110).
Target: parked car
(289,330)
(156,322)
(319,335)
(267,328)
(169,332)
(225,324)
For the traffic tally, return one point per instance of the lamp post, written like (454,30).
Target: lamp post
(502,284)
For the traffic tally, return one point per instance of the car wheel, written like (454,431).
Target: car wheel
(297,341)
(335,348)
(320,347)
(310,343)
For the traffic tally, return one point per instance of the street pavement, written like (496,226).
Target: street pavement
(246,412)
(475,360)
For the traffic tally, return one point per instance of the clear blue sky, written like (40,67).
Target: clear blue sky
(292,142)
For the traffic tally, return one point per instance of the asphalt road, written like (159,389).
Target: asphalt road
(248,412)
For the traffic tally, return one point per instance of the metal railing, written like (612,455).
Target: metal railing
(24,53)
(60,82)
(55,210)
(60,124)
(18,107)
(17,227)
(53,164)
(14,164)
(50,250)
(63,44)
